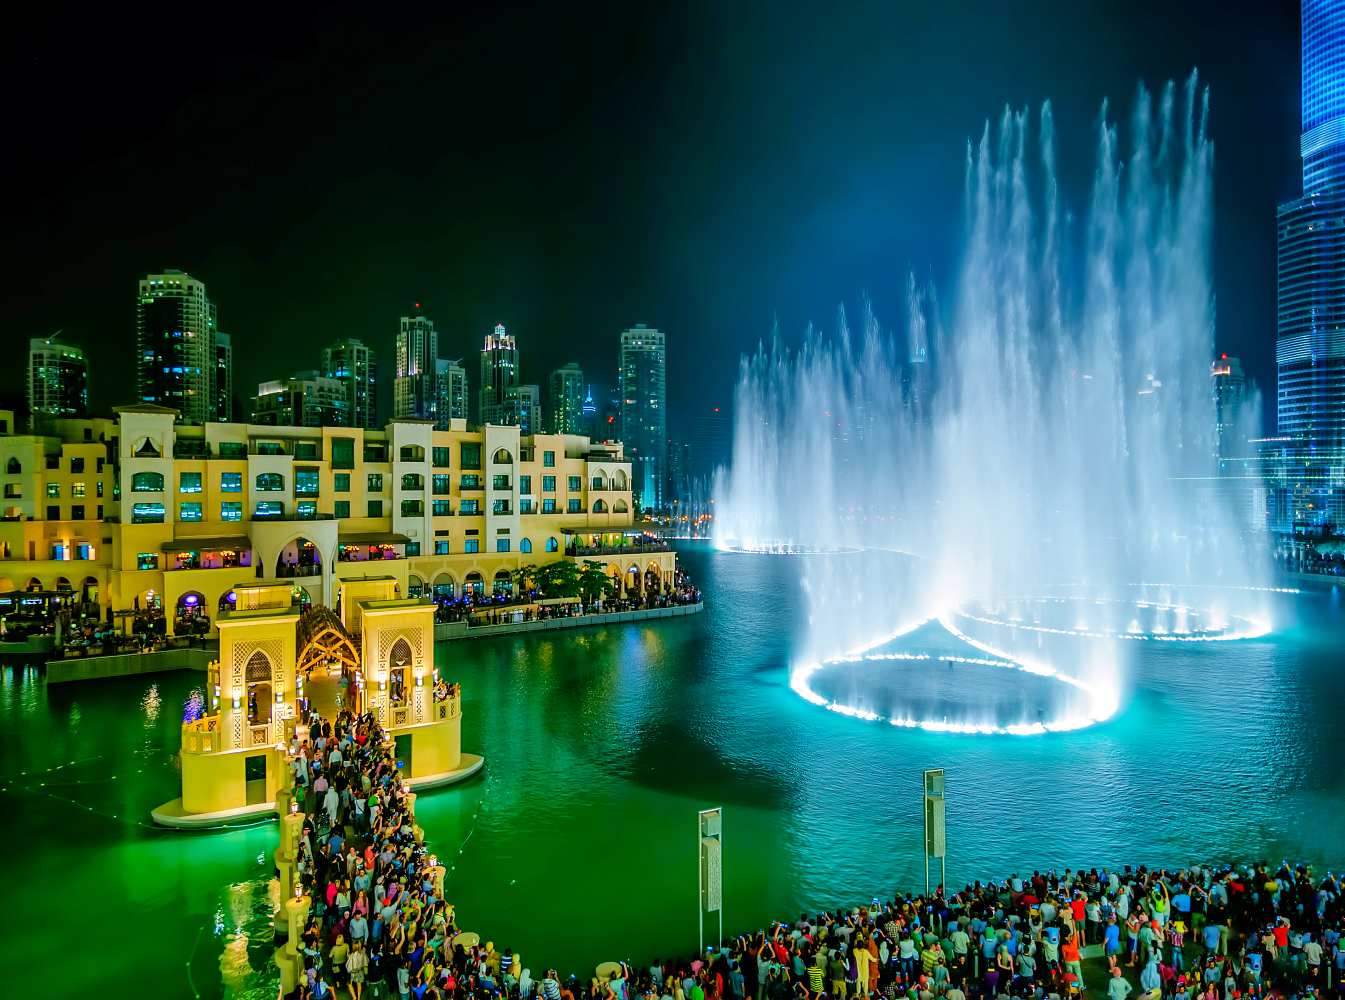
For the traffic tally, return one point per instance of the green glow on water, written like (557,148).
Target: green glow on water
(577,844)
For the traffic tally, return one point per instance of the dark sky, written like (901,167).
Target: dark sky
(570,170)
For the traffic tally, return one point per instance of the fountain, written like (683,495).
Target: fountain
(1033,481)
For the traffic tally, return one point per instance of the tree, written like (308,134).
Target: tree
(594,582)
(521,577)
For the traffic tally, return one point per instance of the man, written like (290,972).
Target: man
(1117,987)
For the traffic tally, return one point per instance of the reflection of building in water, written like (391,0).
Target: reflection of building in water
(277,663)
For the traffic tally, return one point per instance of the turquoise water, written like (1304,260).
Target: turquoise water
(577,844)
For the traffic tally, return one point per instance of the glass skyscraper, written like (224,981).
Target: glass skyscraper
(1310,289)
(644,412)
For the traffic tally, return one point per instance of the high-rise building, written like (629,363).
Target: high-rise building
(175,345)
(1310,290)
(1228,386)
(58,380)
(306,399)
(224,377)
(589,416)
(566,400)
(522,407)
(450,394)
(499,371)
(417,352)
(352,363)
(644,411)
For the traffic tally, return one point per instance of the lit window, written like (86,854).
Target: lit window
(147,482)
(189,482)
(147,513)
(147,560)
(471,545)
(231,482)
(231,510)
(189,512)
(54,490)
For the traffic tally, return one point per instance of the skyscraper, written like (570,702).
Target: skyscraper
(417,352)
(351,362)
(522,407)
(589,416)
(224,377)
(450,393)
(499,371)
(565,400)
(306,399)
(1229,389)
(175,345)
(1310,292)
(644,412)
(58,380)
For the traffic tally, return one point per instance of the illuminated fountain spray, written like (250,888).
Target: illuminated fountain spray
(1043,461)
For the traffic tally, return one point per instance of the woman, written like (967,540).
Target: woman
(356,967)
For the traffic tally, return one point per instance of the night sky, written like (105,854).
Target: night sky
(572,170)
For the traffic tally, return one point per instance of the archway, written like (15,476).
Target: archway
(88,590)
(632,580)
(653,579)
(226,602)
(299,557)
(192,616)
(328,664)
(399,672)
(474,584)
(502,457)
(415,586)
(503,584)
(258,678)
(33,584)
(620,507)
(445,588)
(600,506)
(619,481)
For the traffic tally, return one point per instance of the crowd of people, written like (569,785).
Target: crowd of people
(1250,932)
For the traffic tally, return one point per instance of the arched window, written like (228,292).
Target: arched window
(552,545)
(474,583)
(415,586)
(270,482)
(399,670)
(619,481)
(525,546)
(620,507)
(258,669)
(444,587)
(146,449)
(13,467)
(147,482)
(600,506)
(503,583)
(502,457)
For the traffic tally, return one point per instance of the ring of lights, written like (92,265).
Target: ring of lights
(1102,700)
(783,549)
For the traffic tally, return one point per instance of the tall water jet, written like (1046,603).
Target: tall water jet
(1050,446)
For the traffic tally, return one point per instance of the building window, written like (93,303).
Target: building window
(525,546)
(189,482)
(147,560)
(375,482)
(413,508)
(471,545)
(77,512)
(413,481)
(77,465)
(549,506)
(147,513)
(54,512)
(341,482)
(231,482)
(189,512)
(441,458)
(341,508)
(233,449)
(552,545)
(375,451)
(470,454)
(441,508)
(525,484)
(77,490)
(13,467)
(375,508)
(306,482)
(471,482)
(100,512)
(412,550)
(306,450)
(270,482)
(469,507)
(343,453)
(54,490)
(231,510)
(573,507)
(549,459)
(499,482)
(441,485)
(574,483)
(84,551)
(501,545)
(548,484)
(500,507)
(306,509)
(268,510)
(441,547)
(100,487)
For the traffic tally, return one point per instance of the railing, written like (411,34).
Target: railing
(260,734)
(202,736)
(446,709)
(617,550)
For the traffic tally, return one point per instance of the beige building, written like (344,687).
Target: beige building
(141,511)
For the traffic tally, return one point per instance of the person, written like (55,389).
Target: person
(357,965)
(1117,987)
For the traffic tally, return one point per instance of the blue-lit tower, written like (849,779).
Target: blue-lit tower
(1310,289)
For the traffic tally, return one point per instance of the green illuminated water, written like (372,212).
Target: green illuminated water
(577,844)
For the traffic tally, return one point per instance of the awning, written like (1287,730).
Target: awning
(373,538)
(215,544)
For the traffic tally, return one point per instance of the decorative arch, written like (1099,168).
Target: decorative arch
(600,506)
(552,545)
(324,643)
(415,586)
(400,662)
(502,457)
(620,507)
(525,546)
(619,480)
(62,584)
(146,448)
(13,467)
(474,582)
(444,587)
(299,556)
(258,669)
(33,584)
